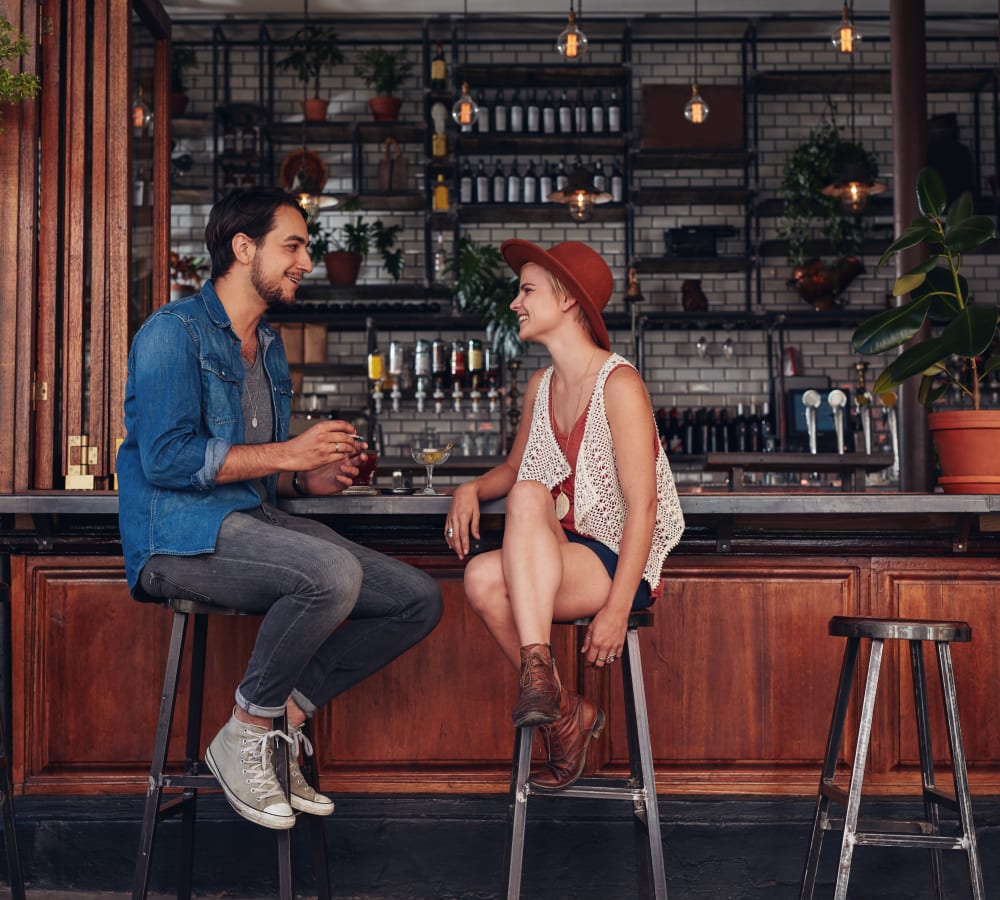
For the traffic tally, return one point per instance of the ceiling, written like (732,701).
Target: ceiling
(217,9)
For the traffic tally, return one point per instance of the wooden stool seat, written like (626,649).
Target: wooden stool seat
(639,788)
(196,775)
(925,833)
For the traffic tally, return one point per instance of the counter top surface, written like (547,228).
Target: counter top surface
(93,503)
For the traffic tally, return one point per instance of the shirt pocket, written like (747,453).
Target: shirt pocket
(221,386)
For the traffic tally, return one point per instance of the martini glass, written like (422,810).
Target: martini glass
(429,457)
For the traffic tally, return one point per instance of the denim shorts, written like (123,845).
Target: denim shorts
(609,558)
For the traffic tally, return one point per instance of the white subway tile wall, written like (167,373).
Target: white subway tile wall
(676,374)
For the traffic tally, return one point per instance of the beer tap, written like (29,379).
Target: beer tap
(439,371)
(458,372)
(838,400)
(811,400)
(376,367)
(396,365)
(889,412)
(863,400)
(422,372)
(491,368)
(474,363)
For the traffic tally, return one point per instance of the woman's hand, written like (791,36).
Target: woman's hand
(605,637)
(462,519)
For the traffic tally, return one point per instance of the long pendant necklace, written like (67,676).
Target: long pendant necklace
(562,501)
(252,392)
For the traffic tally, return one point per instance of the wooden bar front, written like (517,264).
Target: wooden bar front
(740,672)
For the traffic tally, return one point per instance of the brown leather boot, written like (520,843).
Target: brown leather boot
(539,700)
(567,741)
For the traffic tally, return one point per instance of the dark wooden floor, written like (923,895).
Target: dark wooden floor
(421,848)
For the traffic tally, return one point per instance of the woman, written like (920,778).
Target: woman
(591,508)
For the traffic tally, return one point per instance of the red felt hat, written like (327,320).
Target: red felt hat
(581,269)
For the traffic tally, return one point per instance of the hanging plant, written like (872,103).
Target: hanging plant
(810,215)
(14,86)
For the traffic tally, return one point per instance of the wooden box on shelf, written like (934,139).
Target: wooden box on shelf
(665,128)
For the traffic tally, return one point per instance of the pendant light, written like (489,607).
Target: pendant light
(846,35)
(696,110)
(572,42)
(308,168)
(465,112)
(853,186)
(579,195)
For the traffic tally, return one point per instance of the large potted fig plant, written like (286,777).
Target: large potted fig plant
(384,71)
(952,357)
(312,50)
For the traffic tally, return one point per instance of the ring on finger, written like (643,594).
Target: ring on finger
(602,659)
(336,448)
(612,657)
(450,532)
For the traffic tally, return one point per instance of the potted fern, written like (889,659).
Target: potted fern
(384,71)
(952,358)
(312,50)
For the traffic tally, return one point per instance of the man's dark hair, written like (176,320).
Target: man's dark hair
(250,212)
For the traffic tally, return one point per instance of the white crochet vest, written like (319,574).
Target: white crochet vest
(598,505)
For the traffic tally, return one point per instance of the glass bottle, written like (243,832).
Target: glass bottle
(482,183)
(580,113)
(549,113)
(534,117)
(614,112)
(565,114)
(545,183)
(442,199)
(440,260)
(483,121)
(617,183)
(499,112)
(513,184)
(562,176)
(499,183)
(529,184)
(600,178)
(466,184)
(597,113)
(515,119)
(439,70)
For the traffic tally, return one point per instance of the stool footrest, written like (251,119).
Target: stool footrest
(189,781)
(596,791)
(926,841)
(834,793)
(941,799)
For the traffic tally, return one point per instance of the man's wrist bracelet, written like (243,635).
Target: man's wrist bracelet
(297,486)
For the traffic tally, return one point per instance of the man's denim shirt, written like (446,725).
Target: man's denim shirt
(182,414)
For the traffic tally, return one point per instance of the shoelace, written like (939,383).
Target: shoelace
(298,738)
(257,764)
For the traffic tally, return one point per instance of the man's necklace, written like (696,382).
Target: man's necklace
(252,392)
(562,501)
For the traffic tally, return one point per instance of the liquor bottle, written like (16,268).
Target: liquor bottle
(549,113)
(580,113)
(722,431)
(442,198)
(513,184)
(701,430)
(565,114)
(711,439)
(617,183)
(439,372)
(545,183)
(687,429)
(440,259)
(482,183)
(675,440)
(740,443)
(499,112)
(466,184)
(483,120)
(474,365)
(499,183)
(597,113)
(562,176)
(439,70)
(753,430)
(422,371)
(529,184)
(458,372)
(768,435)
(534,116)
(600,178)
(515,118)
(614,112)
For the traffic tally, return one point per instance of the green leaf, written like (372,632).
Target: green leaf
(928,393)
(889,329)
(970,332)
(991,364)
(906,283)
(959,211)
(931,195)
(919,230)
(914,360)
(969,234)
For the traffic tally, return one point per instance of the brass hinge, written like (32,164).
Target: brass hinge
(39,392)
(80,456)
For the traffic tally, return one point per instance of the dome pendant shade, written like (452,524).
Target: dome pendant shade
(579,194)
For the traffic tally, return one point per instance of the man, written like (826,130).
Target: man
(207,410)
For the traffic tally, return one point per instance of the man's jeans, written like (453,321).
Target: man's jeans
(306,579)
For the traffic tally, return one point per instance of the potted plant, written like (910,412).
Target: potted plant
(14,86)
(384,71)
(183,58)
(311,50)
(342,250)
(951,358)
(810,214)
(483,285)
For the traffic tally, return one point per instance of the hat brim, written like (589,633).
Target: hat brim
(517,252)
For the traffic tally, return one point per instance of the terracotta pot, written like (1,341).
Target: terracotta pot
(178,104)
(385,109)
(342,266)
(820,283)
(967,442)
(315,109)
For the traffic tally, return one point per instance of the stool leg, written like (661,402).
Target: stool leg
(154,789)
(833,742)
(321,870)
(959,768)
(9,824)
(280,751)
(646,814)
(517,811)
(858,771)
(931,814)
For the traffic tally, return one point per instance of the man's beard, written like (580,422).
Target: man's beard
(271,292)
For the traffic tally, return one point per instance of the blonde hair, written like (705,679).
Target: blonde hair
(581,314)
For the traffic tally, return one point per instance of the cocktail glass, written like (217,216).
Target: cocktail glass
(429,457)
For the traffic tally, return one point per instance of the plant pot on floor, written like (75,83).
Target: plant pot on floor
(342,266)
(966,442)
(385,109)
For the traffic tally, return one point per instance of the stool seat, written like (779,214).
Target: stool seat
(923,833)
(195,775)
(639,788)
(900,629)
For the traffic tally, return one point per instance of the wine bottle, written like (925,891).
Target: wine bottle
(580,113)
(534,117)
(687,428)
(740,442)
(482,183)
(675,439)
(499,112)
(441,200)
(600,178)
(499,183)
(562,176)
(483,119)
(617,183)
(614,112)
(597,113)
(529,184)
(549,113)
(515,117)
(565,114)
(545,183)
(466,188)
(513,184)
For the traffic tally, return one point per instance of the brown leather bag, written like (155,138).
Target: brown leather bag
(393,168)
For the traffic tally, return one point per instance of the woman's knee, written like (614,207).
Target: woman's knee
(528,499)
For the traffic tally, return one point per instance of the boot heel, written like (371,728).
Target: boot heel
(595,732)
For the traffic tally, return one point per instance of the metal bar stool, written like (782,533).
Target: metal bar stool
(639,788)
(925,833)
(9,833)
(196,774)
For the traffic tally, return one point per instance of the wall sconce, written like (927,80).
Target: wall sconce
(701,346)
(571,42)
(846,35)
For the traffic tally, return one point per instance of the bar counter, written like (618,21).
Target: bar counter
(740,670)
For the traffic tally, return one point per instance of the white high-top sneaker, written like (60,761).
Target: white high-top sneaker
(302,796)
